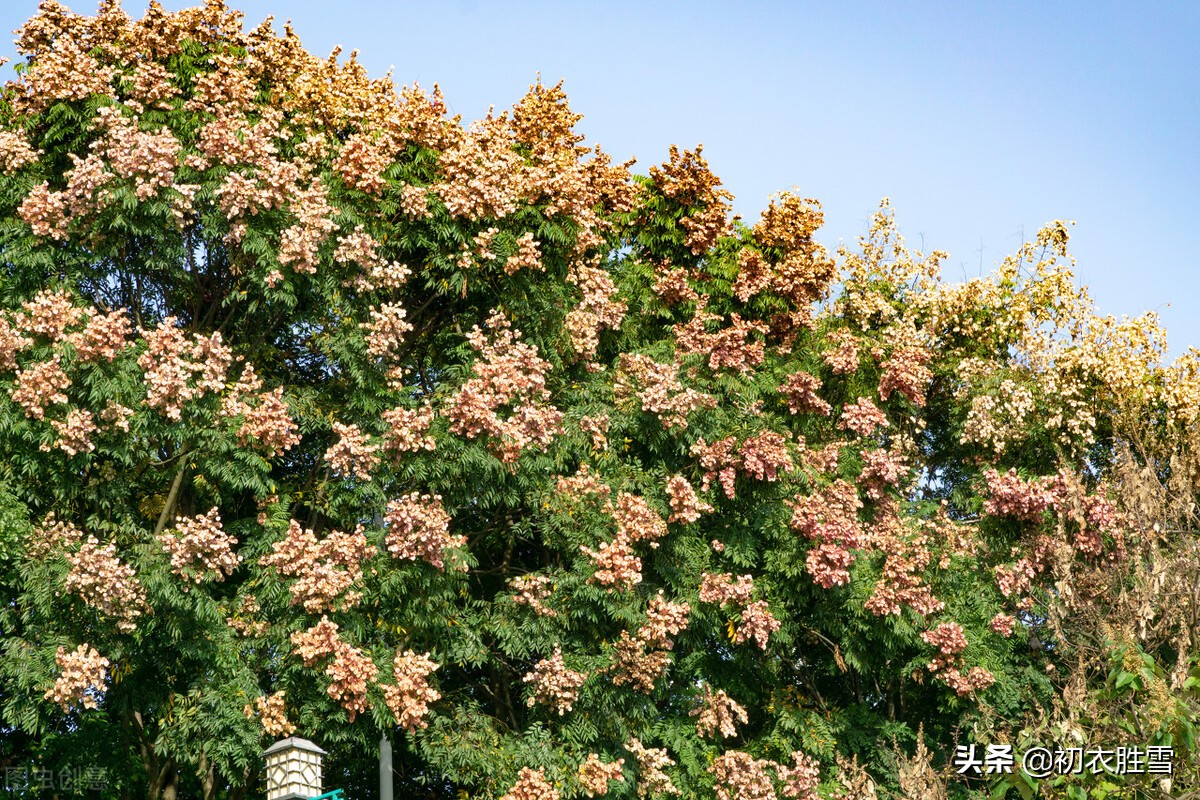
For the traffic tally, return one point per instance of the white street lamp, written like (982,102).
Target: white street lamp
(293,769)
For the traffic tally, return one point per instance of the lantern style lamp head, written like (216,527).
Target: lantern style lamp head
(293,769)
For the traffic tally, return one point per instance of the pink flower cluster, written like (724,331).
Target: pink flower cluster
(39,386)
(800,390)
(1002,624)
(881,469)
(829,517)
(104,337)
(597,428)
(324,569)
(200,548)
(74,433)
(410,697)
(740,776)
(661,393)
(49,314)
(354,455)
(385,331)
(636,520)
(267,426)
(531,785)
(617,566)
(950,640)
(349,672)
(672,286)
(597,310)
(272,714)
(553,684)
(81,675)
(863,417)
(15,152)
(419,528)
(408,430)
(842,358)
(728,348)
(765,455)
(581,484)
(718,713)
(902,583)
(664,621)
(686,505)
(1012,496)
(530,591)
(508,373)
(801,779)
(594,775)
(905,373)
(651,778)
(718,461)
(177,371)
(634,665)
(298,244)
(106,583)
(756,620)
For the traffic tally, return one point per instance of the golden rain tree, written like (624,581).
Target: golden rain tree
(323,412)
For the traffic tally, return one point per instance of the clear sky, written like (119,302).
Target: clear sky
(981,121)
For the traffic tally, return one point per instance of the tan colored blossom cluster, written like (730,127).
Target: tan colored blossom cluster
(531,785)
(350,671)
(636,520)
(354,455)
(651,761)
(617,566)
(408,430)
(718,713)
(597,310)
(686,178)
(386,330)
(594,775)
(729,347)
(755,618)
(177,371)
(802,271)
(950,640)
(862,417)
(106,583)
(324,569)
(272,714)
(672,286)
(81,676)
(686,505)
(553,684)
(740,776)
(419,528)
(39,386)
(800,390)
(199,548)
(74,433)
(905,373)
(508,373)
(597,427)
(15,152)
(659,389)
(105,336)
(266,426)
(907,555)
(531,590)
(411,695)
(582,484)
(829,517)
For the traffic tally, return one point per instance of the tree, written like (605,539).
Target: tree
(324,413)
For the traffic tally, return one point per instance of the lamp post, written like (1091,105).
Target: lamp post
(293,769)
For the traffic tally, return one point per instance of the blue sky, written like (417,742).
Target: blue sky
(980,121)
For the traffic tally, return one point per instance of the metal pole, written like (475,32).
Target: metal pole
(385,769)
